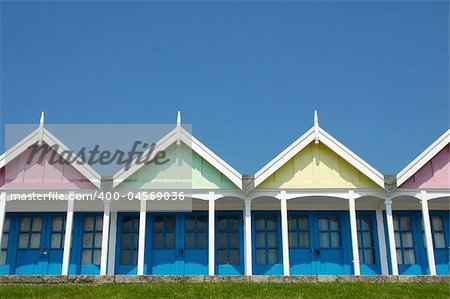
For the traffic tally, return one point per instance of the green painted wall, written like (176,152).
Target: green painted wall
(186,169)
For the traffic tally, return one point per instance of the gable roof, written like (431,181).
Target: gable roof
(41,134)
(413,167)
(179,134)
(317,135)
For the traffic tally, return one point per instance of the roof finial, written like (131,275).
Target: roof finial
(41,121)
(41,128)
(179,118)
(179,127)
(316,127)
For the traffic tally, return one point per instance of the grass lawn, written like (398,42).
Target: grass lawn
(230,290)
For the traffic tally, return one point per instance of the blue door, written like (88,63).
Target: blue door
(179,244)
(267,256)
(39,243)
(318,243)
(369,257)
(332,245)
(7,243)
(409,243)
(86,244)
(127,243)
(301,253)
(229,243)
(440,233)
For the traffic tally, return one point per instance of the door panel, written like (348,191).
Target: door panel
(440,230)
(40,244)
(229,243)
(163,241)
(179,244)
(368,243)
(330,257)
(300,251)
(409,243)
(87,243)
(57,227)
(195,245)
(127,243)
(317,243)
(29,257)
(6,246)
(267,256)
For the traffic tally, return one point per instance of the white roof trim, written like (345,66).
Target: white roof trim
(195,145)
(47,137)
(423,158)
(330,142)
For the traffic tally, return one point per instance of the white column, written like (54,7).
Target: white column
(284,233)
(68,235)
(2,213)
(248,237)
(211,230)
(382,242)
(142,227)
(354,232)
(112,243)
(427,230)
(105,237)
(391,236)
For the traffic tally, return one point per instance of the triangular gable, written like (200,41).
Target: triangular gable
(185,169)
(317,166)
(431,169)
(18,174)
(204,169)
(317,160)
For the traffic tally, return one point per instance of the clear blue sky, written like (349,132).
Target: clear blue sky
(246,75)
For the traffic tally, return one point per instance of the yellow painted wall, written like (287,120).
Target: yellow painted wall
(317,166)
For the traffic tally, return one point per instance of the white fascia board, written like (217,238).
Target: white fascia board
(271,167)
(222,166)
(423,158)
(351,158)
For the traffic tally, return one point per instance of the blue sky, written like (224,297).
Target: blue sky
(246,75)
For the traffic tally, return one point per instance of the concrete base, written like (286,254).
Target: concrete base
(109,279)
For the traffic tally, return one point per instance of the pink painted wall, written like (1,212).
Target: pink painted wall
(2,177)
(433,175)
(17,174)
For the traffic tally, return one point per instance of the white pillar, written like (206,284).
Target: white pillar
(248,237)
(112,243)
(68,235)
(105,237)
(2,213)
(354,232)
(382,242)
(427,230)
(142,227)
(391,236)
(211,230)
(284,233)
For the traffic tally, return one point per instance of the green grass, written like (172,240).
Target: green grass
(230,290)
